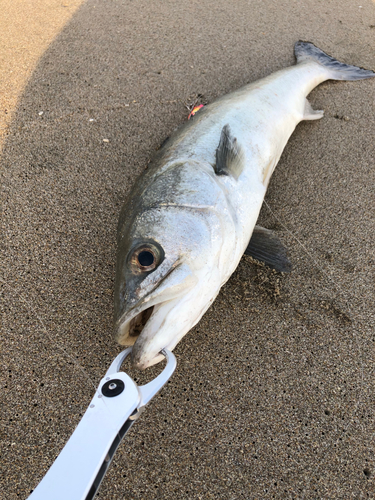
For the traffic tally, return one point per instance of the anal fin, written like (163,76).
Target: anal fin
(266,247)
(312,114)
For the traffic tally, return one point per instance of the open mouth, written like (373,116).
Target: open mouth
(151,327)
(137,324)
(129,331)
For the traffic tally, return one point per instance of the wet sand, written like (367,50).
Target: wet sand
(273,396)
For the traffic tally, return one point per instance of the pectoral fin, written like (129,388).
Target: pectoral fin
(229,155)
(266,247)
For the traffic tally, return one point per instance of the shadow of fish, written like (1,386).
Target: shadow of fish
(191,216)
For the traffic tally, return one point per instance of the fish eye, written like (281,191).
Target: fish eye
(145,258)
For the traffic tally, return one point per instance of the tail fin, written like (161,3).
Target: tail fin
(306,51)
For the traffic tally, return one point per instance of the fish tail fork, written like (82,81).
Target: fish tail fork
(307,51)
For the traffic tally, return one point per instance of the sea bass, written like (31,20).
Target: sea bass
(192,214)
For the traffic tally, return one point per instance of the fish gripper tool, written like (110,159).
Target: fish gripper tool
(78,471)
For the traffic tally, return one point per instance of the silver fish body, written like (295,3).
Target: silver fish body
(190,217)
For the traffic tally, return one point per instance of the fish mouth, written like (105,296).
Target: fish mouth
(153,323)
(128,329)
(132,322)
(137,324)
(144,329)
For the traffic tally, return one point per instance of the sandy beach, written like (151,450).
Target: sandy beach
(273,396)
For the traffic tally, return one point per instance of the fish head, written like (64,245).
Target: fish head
(165,278)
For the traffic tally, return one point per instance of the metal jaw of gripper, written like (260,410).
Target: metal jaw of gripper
(79,469)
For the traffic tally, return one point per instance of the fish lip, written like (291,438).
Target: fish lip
(143,364)
(128,340)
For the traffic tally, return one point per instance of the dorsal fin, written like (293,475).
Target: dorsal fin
(266,247)
(229,155)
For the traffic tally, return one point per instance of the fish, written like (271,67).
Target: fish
(192,214)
